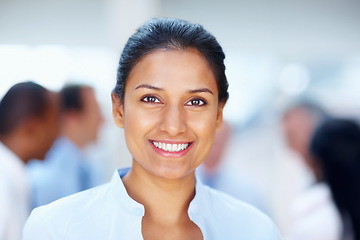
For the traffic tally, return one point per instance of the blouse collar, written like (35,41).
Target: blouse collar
(197,210)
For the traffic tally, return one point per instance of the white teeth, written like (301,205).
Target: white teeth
(170,147)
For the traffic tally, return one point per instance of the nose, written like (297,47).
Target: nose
(173,120)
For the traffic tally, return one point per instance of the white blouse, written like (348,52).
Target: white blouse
(108,212)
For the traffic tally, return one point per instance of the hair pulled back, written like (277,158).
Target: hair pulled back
(167,33)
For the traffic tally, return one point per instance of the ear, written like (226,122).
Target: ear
(219,117)
(117,110)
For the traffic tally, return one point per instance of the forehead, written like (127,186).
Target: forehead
(183,67)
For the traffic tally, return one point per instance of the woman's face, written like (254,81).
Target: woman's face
(170,112)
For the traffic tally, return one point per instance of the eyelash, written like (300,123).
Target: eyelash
(146,99)
(201,102)
(155,100)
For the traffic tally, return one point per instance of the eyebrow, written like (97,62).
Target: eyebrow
(200,90)
(149,87)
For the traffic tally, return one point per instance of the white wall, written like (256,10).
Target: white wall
(291,29)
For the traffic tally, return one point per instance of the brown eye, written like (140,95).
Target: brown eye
(150,99)
(196,102)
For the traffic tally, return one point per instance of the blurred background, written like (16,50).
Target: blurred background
(276,52)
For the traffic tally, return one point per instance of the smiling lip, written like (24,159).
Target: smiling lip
(171,149)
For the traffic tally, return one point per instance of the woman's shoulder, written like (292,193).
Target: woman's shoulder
(56,216)
(84,202)
(80,200)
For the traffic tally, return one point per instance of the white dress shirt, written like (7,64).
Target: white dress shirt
(108,212)
(14,195)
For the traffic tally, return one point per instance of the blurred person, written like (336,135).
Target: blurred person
(28,127)
(215,173)
(66,170)
(336,148)
(169,97)
(313,215)
(299,122)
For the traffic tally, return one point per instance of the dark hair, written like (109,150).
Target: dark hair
(22,101)
(71,97)
(336,145)
(166,33)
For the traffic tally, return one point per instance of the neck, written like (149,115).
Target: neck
(166,201)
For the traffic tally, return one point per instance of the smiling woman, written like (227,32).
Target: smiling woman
(169,98)
(166,108)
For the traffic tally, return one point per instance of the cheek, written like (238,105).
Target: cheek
(203,124)
(137,124)
(204,127)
